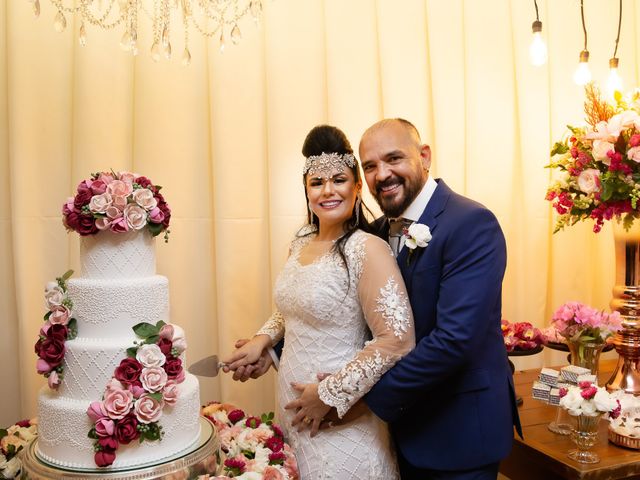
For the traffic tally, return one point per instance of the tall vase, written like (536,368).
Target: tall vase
(585,354)
(626,300)
(585,435)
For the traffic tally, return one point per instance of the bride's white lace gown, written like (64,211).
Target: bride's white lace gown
(354,322)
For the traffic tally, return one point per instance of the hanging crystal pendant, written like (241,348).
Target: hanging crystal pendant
(221,40)
(256,7)
(186,57)
(125,41)
(60,23)
(82,38)
(167,51)
(236,36)
(165,36)
(155,52)
(36,8)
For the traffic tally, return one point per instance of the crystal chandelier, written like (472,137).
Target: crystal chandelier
(209,17)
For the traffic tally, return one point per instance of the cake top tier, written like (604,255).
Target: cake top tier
(119,202)
(117,256)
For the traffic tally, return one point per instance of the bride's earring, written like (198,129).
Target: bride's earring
(310,214)
(358,205)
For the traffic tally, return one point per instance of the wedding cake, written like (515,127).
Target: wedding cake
(117,396)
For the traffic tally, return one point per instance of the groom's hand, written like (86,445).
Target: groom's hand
(332,420)
(254,370)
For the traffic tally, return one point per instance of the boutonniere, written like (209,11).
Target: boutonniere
(417,235)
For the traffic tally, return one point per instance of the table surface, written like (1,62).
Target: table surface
(543,454)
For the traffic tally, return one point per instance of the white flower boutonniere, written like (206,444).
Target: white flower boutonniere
(418,236)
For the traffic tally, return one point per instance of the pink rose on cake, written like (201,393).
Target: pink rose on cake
(144,197)
(100,203)
(96,411)
(170,393)
(148,409)
(136,216)
(118,403)
(151,356)
(54,380)
(118,188)
(59,315)
(105,427)
(153,379)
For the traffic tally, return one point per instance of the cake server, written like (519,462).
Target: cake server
(207,366)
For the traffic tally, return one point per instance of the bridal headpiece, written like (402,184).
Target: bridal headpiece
(322,165)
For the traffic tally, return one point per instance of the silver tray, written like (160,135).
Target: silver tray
(201,459)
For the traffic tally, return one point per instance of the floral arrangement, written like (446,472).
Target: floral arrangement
(142,385)
(254,447)
(520,336)
(13,440)
(117,201)
(588,399)
(59,327)
(578,322)
(600,164)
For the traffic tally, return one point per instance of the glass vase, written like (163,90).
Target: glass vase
(563,423)
(585,354)
(585,436)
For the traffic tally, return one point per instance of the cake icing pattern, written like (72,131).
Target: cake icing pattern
(117,289)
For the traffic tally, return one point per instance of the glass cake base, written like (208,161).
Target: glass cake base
(198,460)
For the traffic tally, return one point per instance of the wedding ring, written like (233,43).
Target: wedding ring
(307,420)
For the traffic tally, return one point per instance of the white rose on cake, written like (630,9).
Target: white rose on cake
(136,216)
(53,295)
(150,356)
(144,197)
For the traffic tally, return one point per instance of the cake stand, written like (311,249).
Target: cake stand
(200,459)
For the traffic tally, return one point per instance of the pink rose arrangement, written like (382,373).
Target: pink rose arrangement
(12,441)
(251,445)
(520,336)
(117,201)
(589,399)
(59,326)
(600,164)
(578,322)
(142,386)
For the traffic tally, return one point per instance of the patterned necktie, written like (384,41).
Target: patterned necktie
(396,228)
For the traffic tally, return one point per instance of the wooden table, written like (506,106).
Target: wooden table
(542,455)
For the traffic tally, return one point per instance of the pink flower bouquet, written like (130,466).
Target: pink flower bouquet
(251,445)
(520,336)
(578,322)
(116,201)
(12,441)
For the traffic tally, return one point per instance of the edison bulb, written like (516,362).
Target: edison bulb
(537,50)
(583,74)
(614,82)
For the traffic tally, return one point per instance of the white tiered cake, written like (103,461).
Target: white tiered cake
(117,289)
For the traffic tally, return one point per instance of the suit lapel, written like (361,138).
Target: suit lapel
(429,218)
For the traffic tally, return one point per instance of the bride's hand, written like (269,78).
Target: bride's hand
(310,409)
(248,353)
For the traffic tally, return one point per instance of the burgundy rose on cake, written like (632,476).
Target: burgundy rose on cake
(117,201)
(59,326)
(141,387)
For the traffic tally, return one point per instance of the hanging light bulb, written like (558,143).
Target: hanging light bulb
(537,49)
(582,76)
(614,82)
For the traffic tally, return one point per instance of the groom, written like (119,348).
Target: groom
(450,402)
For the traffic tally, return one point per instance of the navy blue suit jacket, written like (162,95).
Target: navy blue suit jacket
(450,402)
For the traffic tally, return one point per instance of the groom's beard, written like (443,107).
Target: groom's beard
(394,207)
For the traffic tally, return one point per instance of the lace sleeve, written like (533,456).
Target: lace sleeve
(274,327)
(386,308)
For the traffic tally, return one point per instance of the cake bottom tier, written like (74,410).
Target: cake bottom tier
(64,425)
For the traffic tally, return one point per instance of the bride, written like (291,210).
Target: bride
(342,307)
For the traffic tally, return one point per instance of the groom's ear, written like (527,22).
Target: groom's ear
(425,155)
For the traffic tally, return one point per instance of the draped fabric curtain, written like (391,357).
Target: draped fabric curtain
(223,136)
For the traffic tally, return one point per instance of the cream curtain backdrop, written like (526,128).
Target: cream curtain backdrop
(223,137)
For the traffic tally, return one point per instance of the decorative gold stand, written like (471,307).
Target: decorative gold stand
(201,459)
(626,300)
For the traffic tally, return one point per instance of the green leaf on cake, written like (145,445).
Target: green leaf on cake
(152,339)
(145,330)
(73,329)
(47,315)
(67,275)
(157,396)
(132,351)
(3,433)
(92,434)
(160,324)
(155,228)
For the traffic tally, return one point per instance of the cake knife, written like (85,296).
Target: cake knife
(207,367)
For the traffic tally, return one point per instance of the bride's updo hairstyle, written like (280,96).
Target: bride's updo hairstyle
(328,139)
